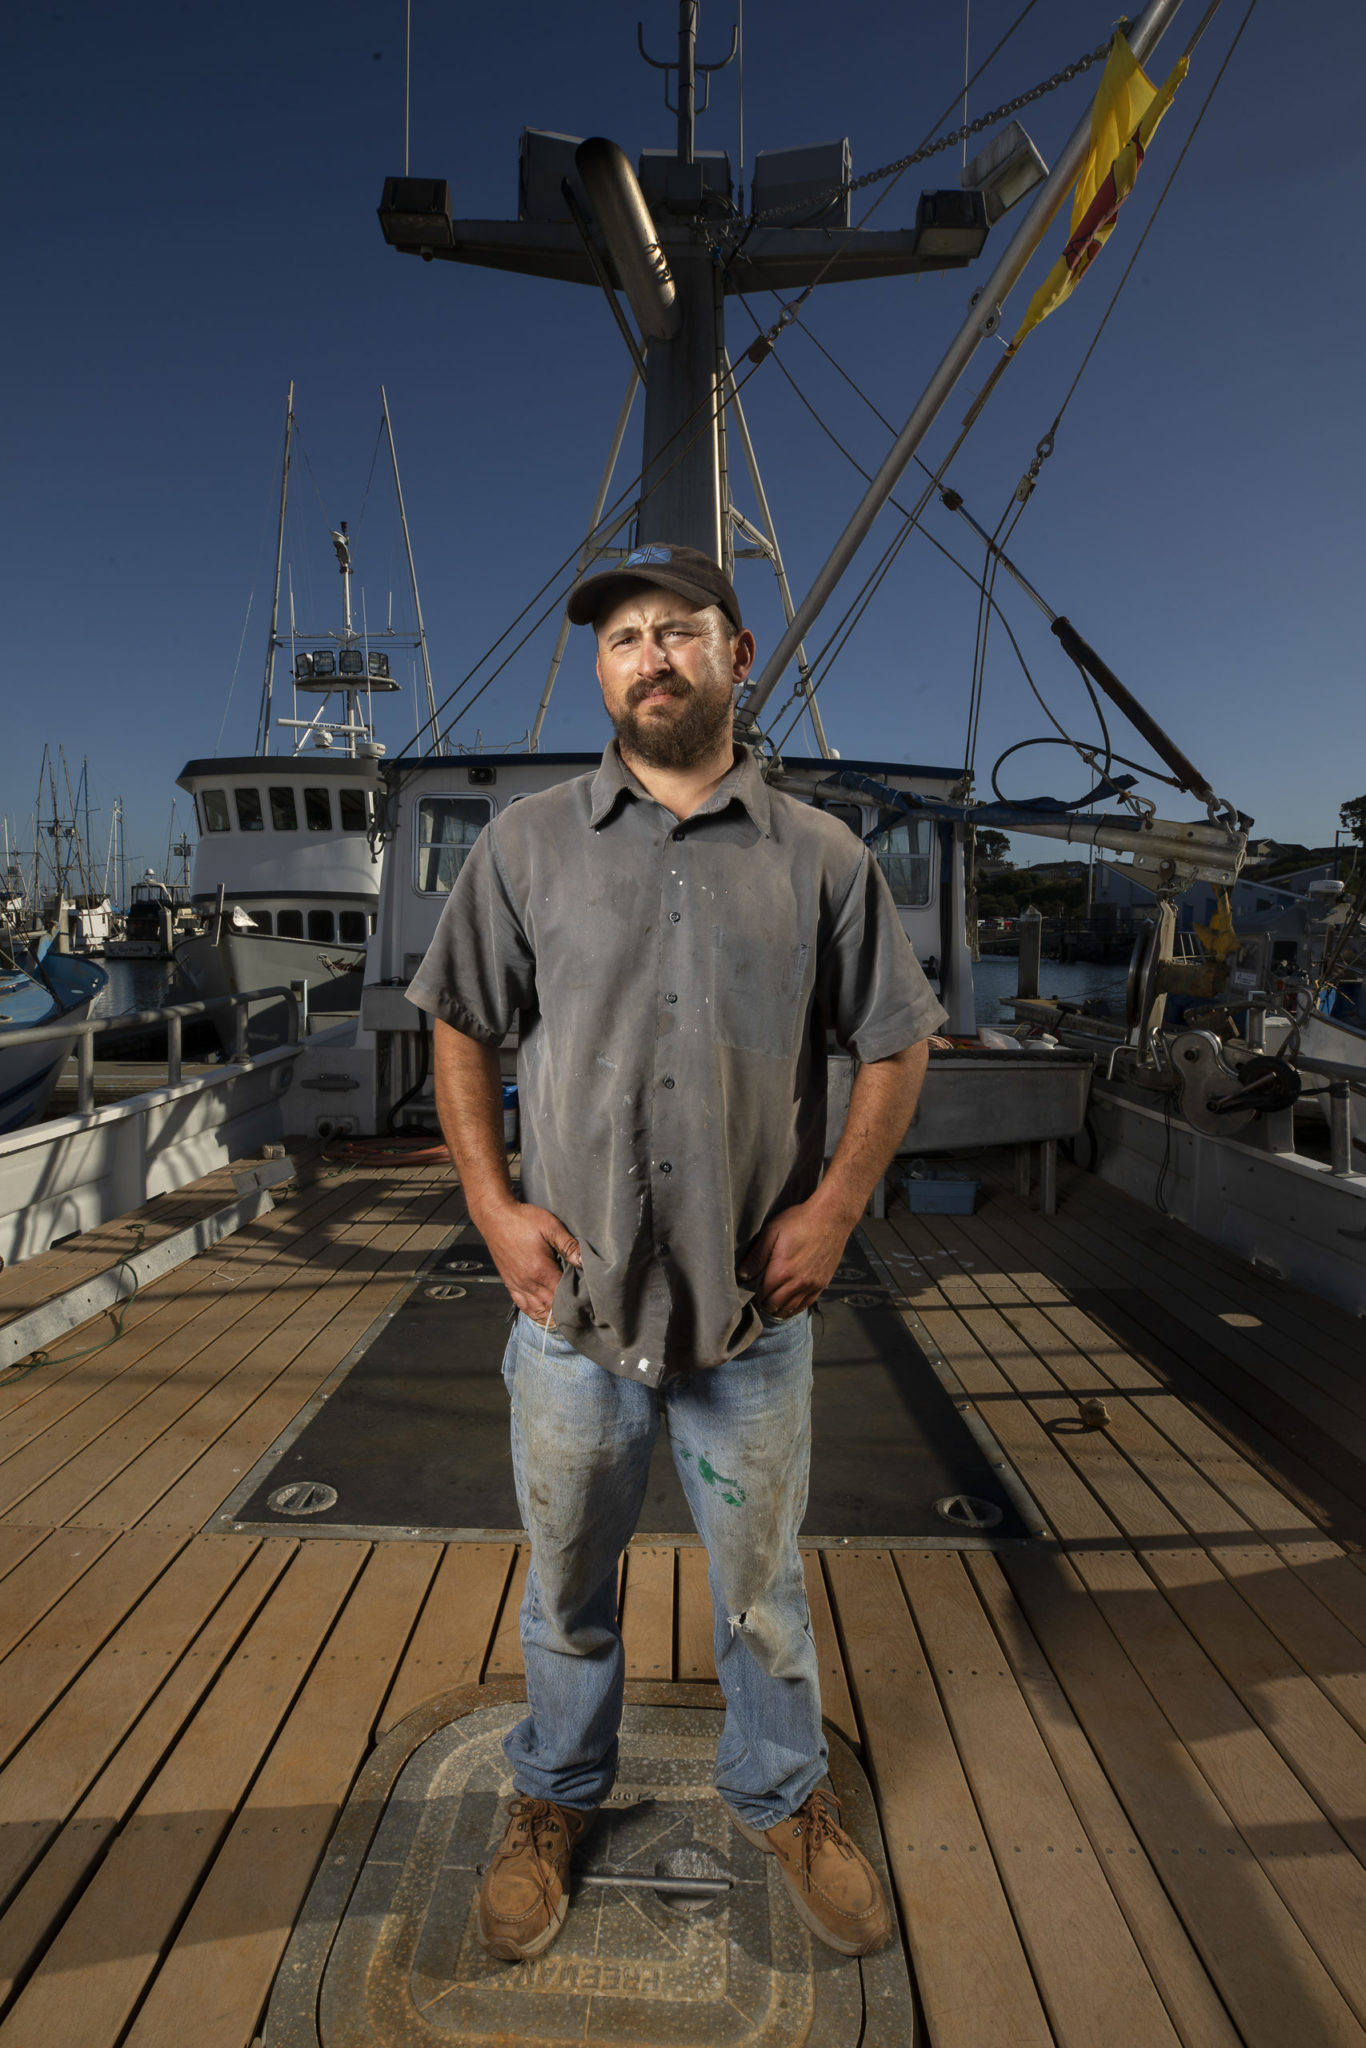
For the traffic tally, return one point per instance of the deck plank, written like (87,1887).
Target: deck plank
(973,1977)
(455,1629)
(647,1615)
(213,1984)
(76,1470)
(694,1652)
(215,1472)
(96,1396)
(837,1706)
(1270,1977)
(505,1651)
(39,1669)
(84,1991)
(32,1919)
(1172,1961)
(1052,1875)
(40,1786)
(38,1579)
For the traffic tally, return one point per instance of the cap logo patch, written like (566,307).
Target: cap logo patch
(641,558)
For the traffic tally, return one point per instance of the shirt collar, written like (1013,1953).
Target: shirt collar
(744,785)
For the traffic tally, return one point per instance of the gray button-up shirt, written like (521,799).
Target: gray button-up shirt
(674,984)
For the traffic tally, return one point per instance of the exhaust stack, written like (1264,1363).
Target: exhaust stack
(631,237)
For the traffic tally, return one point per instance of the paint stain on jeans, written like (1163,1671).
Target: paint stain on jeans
(733,1496)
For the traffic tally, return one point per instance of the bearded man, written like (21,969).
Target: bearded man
(676,940)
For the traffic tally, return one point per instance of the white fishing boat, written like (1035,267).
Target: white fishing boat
(286,875)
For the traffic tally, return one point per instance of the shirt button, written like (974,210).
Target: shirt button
(668,1080)
(678,834)
(662,1251)
(674,916)
(671,999)
(666,1166)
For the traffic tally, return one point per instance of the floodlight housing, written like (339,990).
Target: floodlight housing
(1003,172)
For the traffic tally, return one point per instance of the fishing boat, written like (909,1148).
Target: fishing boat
(38,986)
(1092,1687)
(285,875)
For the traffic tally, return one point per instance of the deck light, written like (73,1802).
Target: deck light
(379,668)
(323,662)
(303,668)
(351,662)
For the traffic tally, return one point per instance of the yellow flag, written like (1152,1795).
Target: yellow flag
(1124,119)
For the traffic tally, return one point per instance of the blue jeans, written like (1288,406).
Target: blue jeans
(741,1440)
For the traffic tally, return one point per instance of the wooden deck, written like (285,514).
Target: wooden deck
(1122,1776)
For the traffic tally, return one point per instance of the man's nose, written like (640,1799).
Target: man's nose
(652,658)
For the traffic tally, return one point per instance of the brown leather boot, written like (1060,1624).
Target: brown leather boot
(525,1893)
(833,1885)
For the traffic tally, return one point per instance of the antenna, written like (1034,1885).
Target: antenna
(686,67)
(268,685)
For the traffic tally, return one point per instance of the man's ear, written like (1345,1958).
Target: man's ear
(742,654)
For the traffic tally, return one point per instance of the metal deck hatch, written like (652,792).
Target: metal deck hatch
(386,1955)
(410,1435)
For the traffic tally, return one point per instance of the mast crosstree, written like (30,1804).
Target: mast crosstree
(667,234)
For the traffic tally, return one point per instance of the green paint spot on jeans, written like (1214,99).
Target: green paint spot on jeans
(735,1498)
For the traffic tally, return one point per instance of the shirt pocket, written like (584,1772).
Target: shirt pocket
(758,991)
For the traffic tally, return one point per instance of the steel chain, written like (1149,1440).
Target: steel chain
(929,149)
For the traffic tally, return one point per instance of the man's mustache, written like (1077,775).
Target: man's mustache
(670,686)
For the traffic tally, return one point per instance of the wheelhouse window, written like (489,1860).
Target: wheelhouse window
(320,926)
(447,827)
(290,924)
(284,812)
(848,814)
(903,853)
(355,810)
(262,921)
(215,802)
(318,810)
(351,927)
(249,816)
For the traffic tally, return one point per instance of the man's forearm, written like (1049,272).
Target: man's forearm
(881,1106)
(469,1102)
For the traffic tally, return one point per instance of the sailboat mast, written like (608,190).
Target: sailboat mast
(268,686)
(436,743)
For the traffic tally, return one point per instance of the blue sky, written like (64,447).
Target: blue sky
(193,195)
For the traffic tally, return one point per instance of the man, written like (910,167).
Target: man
(676,939)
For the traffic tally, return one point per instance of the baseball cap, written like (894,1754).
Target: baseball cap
(662,565)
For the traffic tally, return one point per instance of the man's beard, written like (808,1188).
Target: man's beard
(680,741)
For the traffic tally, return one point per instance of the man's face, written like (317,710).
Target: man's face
(669,670)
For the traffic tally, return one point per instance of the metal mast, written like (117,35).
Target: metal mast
(437,746)
(268,686)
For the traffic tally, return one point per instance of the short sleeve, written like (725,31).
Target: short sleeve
(875,995)
(479,972)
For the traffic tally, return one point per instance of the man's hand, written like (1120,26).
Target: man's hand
(530,1248)
(793,1259)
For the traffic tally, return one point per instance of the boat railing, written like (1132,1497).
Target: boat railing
(173,1016)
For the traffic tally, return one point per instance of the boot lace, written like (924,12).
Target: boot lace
(816,1822)
(535,1820)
